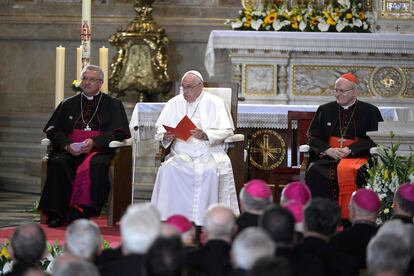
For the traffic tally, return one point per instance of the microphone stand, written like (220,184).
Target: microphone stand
(134,156)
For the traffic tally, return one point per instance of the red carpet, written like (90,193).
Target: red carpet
(109,233)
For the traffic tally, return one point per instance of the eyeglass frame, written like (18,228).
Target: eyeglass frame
(90,79)
(341,91)
(190,87)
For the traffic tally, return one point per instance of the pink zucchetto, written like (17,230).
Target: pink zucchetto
(366,199)
(258,188)
(179,222)
(350,77)
(297,191)
(406,191)
(296,209)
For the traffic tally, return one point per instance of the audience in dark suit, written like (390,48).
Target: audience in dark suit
(254,197)
(363,211)
(270,266)
(250,245)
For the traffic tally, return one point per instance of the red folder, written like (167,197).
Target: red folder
(182,130)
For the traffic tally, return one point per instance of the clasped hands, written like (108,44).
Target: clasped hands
(338,153)
(87,146)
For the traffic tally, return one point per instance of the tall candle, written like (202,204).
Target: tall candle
(60,75)
(78,62)
(103,63)
(86,32)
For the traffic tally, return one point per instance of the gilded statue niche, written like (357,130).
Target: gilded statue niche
(140,64)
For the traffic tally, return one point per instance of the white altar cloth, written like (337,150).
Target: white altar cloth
(145,115)
(377,43)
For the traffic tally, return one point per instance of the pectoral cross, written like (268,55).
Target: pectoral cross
(341,142)
(87,128)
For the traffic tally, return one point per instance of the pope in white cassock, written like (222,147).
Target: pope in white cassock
(197,172)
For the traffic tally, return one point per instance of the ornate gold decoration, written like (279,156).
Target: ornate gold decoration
(249,4)
(396,9)
(268,149)
(323,79)
(259,80)
(140,64)
(388,81)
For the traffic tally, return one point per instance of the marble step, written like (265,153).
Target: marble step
(21,135)
(22,150)
(24,120)
(10,181)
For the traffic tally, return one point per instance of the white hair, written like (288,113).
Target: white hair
(250,245)
(219,222)
(140,226)
(83,238)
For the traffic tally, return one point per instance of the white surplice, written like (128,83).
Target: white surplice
(196,173)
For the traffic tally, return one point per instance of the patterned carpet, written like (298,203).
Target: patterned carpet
(17,209)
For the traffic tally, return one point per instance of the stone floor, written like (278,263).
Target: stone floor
(17,208)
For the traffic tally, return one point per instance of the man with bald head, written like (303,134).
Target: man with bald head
(339,143)
(197,172)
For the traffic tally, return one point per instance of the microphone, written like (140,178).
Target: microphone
(136,128)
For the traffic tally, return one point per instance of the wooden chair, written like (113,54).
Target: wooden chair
(298,156)
(235,143)
(120,176)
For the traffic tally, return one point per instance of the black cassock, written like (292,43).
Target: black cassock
(321,176)
(111,120)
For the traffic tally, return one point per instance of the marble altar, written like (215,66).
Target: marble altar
(301,68)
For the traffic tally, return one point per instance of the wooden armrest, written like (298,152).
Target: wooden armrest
(234,138)
(117,144)
(304,148)
(373,150)
(45,142)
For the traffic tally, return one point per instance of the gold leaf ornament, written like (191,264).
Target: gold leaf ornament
(249,4)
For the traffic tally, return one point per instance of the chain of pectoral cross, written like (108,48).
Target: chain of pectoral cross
(342,133)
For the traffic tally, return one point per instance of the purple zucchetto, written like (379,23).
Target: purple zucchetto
(258,188)
(296,209)
(366,199)
(179,222)
(406,191)
(297,191)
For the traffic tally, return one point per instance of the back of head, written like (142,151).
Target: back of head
(255,195)
(73,266)
(279,223)
(83,238)
(387,253)
(219,223)
(398,229)
(364,204)
(251,244)
(404,198)
(140,226)
(296,191)
(28,243)
(322,216)
(271,266)
(164,257)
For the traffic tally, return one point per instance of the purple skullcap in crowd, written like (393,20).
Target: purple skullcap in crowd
(297,191)
(258,188)
(406,191)
(366,199)
(179,222)
(296,209)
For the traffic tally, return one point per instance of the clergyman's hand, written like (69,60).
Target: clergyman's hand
(87,145)
(199,134)
(168,136)
(73,150)
(336,153)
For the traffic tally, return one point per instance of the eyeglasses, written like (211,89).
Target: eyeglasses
(91,79)
(341,91)
(190,87)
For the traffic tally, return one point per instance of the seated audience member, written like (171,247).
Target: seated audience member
(404,203)
(270,266)
(387,255)
(139,227)
(363,211)
(67,265)
(80,129)
(296,191)
(197,172)
(185,229)
(28,246)
(279,223)
(83,239)
(296,209)
(214,257)
(254,197)
(339,144)
(322,217)
(249,245)
(164,258)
